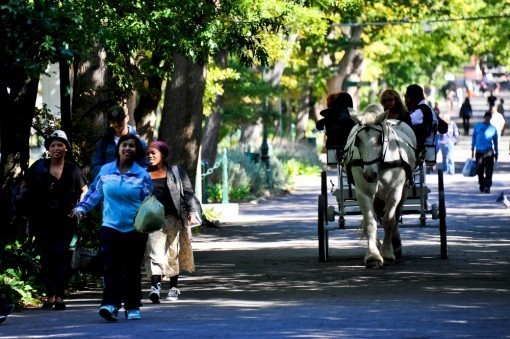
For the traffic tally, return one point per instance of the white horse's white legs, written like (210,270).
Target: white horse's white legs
(365,196)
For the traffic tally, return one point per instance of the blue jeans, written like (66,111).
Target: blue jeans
(447,152)
(123,255)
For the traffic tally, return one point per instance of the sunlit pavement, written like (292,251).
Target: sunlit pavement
(259,276)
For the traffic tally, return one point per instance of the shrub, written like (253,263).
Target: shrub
(247,178)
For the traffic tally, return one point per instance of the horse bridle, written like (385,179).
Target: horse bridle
(361,162)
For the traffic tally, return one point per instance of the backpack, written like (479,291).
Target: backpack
(442,126)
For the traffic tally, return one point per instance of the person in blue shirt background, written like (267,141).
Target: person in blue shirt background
(105,151)
(121,185)
(485,141)
(447,142)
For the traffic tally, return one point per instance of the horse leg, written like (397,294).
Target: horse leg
(392,246)
(373,258)
(395,239)
(389,222)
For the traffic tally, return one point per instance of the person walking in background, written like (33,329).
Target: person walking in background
(49,192)
(498,121)
(491,100)
(466,112)
(106,147)
(501,110)
(436,108)
(446,143)
(485,141)
(392,102)
(121,185)
(501,106)
(169,251)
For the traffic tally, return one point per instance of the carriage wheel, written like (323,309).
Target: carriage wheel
(435,211)
(321,228)
(324,192)
(442,216)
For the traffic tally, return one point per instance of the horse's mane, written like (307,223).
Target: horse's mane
(369,118)
(373,114)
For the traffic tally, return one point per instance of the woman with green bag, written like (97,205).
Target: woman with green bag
(121,185)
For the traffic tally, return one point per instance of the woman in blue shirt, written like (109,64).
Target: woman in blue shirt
(121,185)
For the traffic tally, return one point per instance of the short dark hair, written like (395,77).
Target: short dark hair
(140,153)
(415,91)
(116,113)
(343,100)
(488,113)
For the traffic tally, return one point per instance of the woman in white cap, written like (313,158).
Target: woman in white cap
(49,192)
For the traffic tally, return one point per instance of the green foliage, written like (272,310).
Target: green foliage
(14,289)
(247,178)
(34,34)
(20,264)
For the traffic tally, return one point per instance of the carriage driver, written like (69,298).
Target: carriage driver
(421,117)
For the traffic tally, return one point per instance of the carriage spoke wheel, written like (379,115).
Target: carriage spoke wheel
(442,215)
(321,228)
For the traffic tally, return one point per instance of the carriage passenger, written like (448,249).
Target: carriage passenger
(423,118)
(392,102)
(337,121)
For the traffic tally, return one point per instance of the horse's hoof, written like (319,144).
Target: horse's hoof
(390,261)
(373,263)
(398,253)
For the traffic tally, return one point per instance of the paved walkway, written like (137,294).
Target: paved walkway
(259,276)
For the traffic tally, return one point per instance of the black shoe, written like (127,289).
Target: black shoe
(482,189)
(47,305)
(6,309)
(4,312)
(60,305)
(487,190)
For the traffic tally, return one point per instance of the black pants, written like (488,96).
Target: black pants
(123,254)
(465,124)
(53,237)
(484,168)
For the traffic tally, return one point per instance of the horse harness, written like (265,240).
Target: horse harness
(384,139)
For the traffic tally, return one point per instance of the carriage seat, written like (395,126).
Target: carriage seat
(334,143)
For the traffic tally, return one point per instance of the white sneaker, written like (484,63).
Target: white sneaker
(154,296)
(173,294)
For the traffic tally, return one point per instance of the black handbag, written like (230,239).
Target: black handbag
(86,260)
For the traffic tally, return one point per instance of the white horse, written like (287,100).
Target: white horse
(381,155)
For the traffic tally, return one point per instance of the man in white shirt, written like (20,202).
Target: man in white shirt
(498,121)
(423,118)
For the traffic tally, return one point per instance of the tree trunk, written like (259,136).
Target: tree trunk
(211,135)
(181,120)
(65,98)
(15,124)
(251,134)
(92,96)
(345,68)
(302,116)
(145,112)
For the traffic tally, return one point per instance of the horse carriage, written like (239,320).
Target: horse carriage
(379,177)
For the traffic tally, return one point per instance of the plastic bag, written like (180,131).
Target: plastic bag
(469,169)
(150,216)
